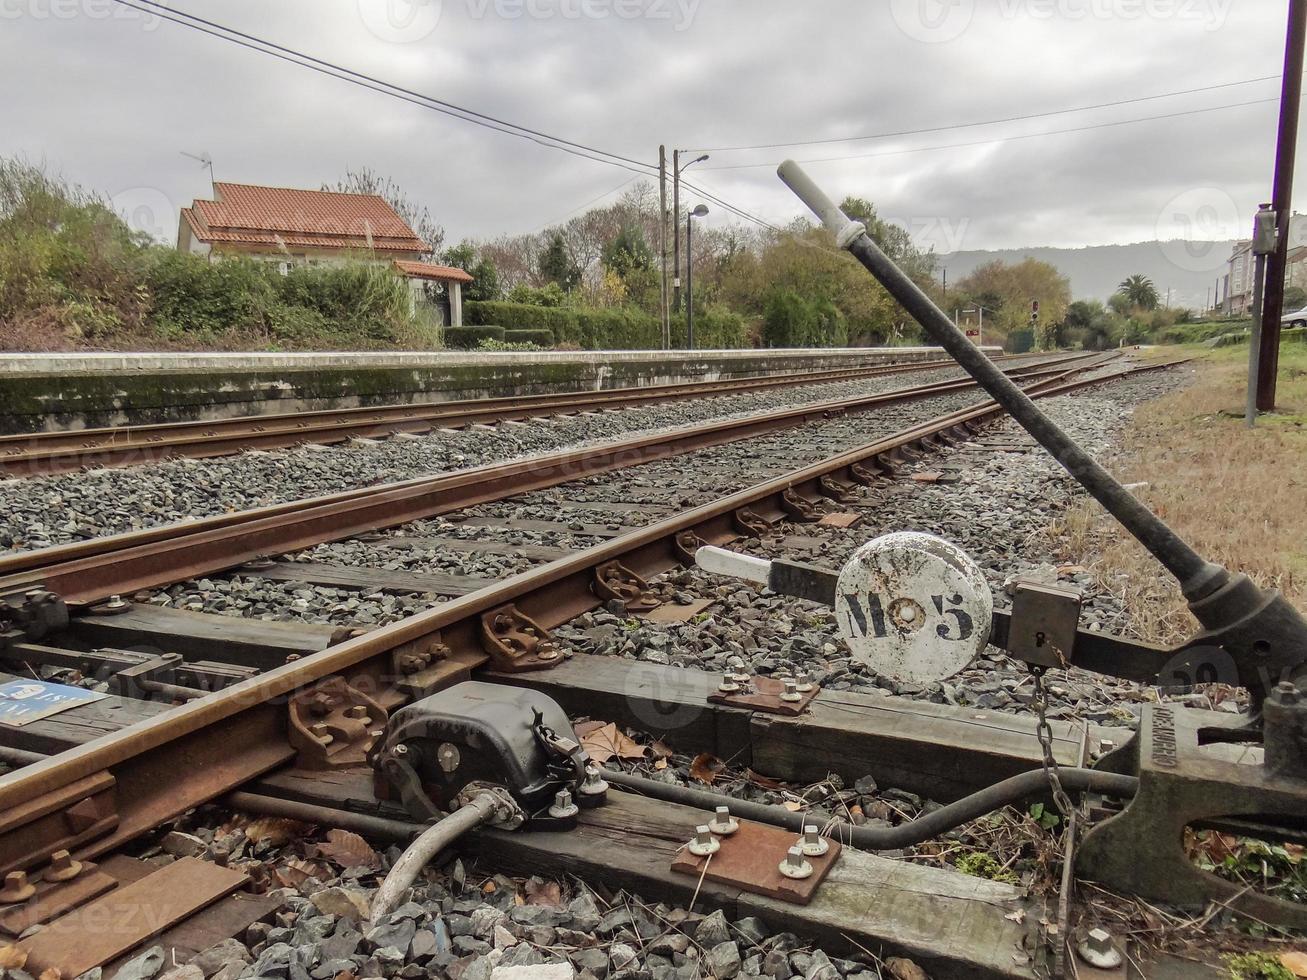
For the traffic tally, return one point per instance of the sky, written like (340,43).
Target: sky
(113,98)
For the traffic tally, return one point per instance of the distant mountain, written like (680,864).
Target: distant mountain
(1188,269)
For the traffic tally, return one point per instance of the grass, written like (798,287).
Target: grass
(1239,496)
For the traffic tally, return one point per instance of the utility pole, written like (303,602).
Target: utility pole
(945,271)
(1264,245)
(676,220)
(1268,361)
(676,230)
(662,243)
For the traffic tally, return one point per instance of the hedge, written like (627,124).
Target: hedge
(715,328)
(469,338)
(543,338)
(591,329)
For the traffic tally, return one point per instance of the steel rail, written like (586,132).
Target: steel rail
(163,766)
(45,453)
(93,571)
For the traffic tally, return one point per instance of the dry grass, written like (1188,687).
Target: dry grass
(1238,496)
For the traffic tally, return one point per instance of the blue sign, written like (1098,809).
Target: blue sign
(22,702)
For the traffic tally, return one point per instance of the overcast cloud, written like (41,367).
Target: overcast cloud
(111,98)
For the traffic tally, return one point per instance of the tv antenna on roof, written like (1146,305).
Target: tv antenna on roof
(205,161)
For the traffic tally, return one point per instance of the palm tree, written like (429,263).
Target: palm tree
(1139,291)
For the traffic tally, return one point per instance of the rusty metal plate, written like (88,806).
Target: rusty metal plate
(750,859)
(110,926)
(765,695)
(53,899)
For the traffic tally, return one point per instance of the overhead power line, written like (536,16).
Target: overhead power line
(990,122)
(1000,139)
(362,80)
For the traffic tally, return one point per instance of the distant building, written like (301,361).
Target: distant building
(1238,279)
(297,227)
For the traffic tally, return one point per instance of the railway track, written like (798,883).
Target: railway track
(30,454)
(136,776)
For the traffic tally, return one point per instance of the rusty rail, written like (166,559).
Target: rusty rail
(161,767)
(67,451)
(88,572)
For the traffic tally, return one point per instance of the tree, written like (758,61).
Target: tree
(628,259)
(1009,291)
(415,215)
(557,266)
(1139,292)
(485,277)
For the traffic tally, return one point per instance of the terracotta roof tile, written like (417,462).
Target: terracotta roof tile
(246,214)
(425,270)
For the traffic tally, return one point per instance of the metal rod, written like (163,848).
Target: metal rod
(1268,360)
(1197,576)
(1001,794)
(378,828)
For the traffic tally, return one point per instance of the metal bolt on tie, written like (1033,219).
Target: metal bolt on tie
(16,888)
(804,682)
(563,807)
(704,843)
(1098,950)
(723,823)
(594,783)
(796,865)
(62,867)
(728,685)
(812,843)
(791,692)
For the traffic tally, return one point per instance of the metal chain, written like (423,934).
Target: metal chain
(1045,732)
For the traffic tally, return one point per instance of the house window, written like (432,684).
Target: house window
(283,268)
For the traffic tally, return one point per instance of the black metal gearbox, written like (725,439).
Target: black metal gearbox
(490,734)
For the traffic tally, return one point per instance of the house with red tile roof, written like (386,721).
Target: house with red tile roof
(298,227)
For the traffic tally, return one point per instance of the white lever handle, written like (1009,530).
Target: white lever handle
(719,561)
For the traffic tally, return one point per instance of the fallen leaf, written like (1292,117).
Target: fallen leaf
(295,872)
(1018,916)
(705,768)
(610,742)
(1295,963)
(661,750)
(488,888)
(53,973)
(543,893)
(349,850)
(1071,569)
(12,958)
(792,806)
(274,830)
(584,728)
(660,765)
(901,969)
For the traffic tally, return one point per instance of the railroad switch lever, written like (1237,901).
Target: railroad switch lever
(1262,634)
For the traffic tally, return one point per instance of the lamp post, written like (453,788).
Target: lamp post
(677,167)
(698,212)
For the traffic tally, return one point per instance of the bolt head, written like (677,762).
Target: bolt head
(1098,950)
(1286,692)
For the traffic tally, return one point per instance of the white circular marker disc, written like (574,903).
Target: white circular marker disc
(913,607)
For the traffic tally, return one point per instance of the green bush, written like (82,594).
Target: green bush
(592,329)
(513,347)
(469,338)
(541,338)
(1197,333)
(189,294)
(715,328)
(791,320)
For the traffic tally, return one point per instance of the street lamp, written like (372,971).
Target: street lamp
(698,212)
(677,167)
